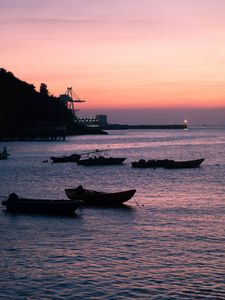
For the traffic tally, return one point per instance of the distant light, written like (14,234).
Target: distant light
(185,121)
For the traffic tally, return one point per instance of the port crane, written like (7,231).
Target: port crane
(70,97)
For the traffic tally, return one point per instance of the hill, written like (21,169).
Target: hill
(26,114)
(20,102)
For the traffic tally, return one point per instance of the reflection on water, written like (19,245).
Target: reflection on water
(168,243)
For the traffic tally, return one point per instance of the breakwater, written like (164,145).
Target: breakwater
(125,126)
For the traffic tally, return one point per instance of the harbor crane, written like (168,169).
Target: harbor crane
(70,97)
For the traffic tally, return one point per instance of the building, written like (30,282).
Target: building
(98,121)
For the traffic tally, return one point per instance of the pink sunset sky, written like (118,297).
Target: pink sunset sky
(138,61)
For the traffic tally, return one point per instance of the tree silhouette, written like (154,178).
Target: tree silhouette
(20,102)
(43,89)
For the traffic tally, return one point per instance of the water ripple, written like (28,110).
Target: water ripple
(169,243)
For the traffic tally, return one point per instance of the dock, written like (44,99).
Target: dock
(33,132)
(126,127)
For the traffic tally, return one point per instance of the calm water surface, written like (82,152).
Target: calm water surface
(168,243)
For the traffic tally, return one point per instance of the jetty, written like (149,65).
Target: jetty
(125,126)
(27,131)
(100,122)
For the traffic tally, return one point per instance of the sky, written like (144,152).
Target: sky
(138,61)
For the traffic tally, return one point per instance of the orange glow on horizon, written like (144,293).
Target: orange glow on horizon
(131,55)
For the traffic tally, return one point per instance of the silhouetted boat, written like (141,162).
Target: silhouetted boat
(4,154)
(167,163)
(66,158)
(101,161)
(100,158)
(91,197)
(14,203)
(184,164)
(153,163)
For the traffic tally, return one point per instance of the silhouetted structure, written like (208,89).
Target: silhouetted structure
(126,126)
(100,122)
(26,114)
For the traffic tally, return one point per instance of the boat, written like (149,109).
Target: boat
(153,163)
(4,154)
(101,161)
(100,158)
(184,164)
(17,204)
(66,158)
(167,163)
(91,197)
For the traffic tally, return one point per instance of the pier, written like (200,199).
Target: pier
(125,126)
(33,132)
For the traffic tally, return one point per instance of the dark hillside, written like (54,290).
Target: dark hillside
(26,114)
(20,102)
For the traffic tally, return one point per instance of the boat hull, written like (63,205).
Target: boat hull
(184,164)
(167,163)
(101,161)
(100,198)
(4,155)
(62,159)
(41,205)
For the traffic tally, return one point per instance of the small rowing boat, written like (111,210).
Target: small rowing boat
(66,158)
(167,163)
(91,197)
(14,203)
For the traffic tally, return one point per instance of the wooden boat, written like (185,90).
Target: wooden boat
(68,158)
(184,164)
(153,163)
(101,161)
(4,154)
(167,163)
(14,203)
(100,158)
(90,197)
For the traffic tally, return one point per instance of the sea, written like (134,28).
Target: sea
(168,242)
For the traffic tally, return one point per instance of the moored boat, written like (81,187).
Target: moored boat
(91,197)
(153,163)
(14,203)
(4,154)
(100,158)
(66,158)
(167,163)
(184,164)
(101,161)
